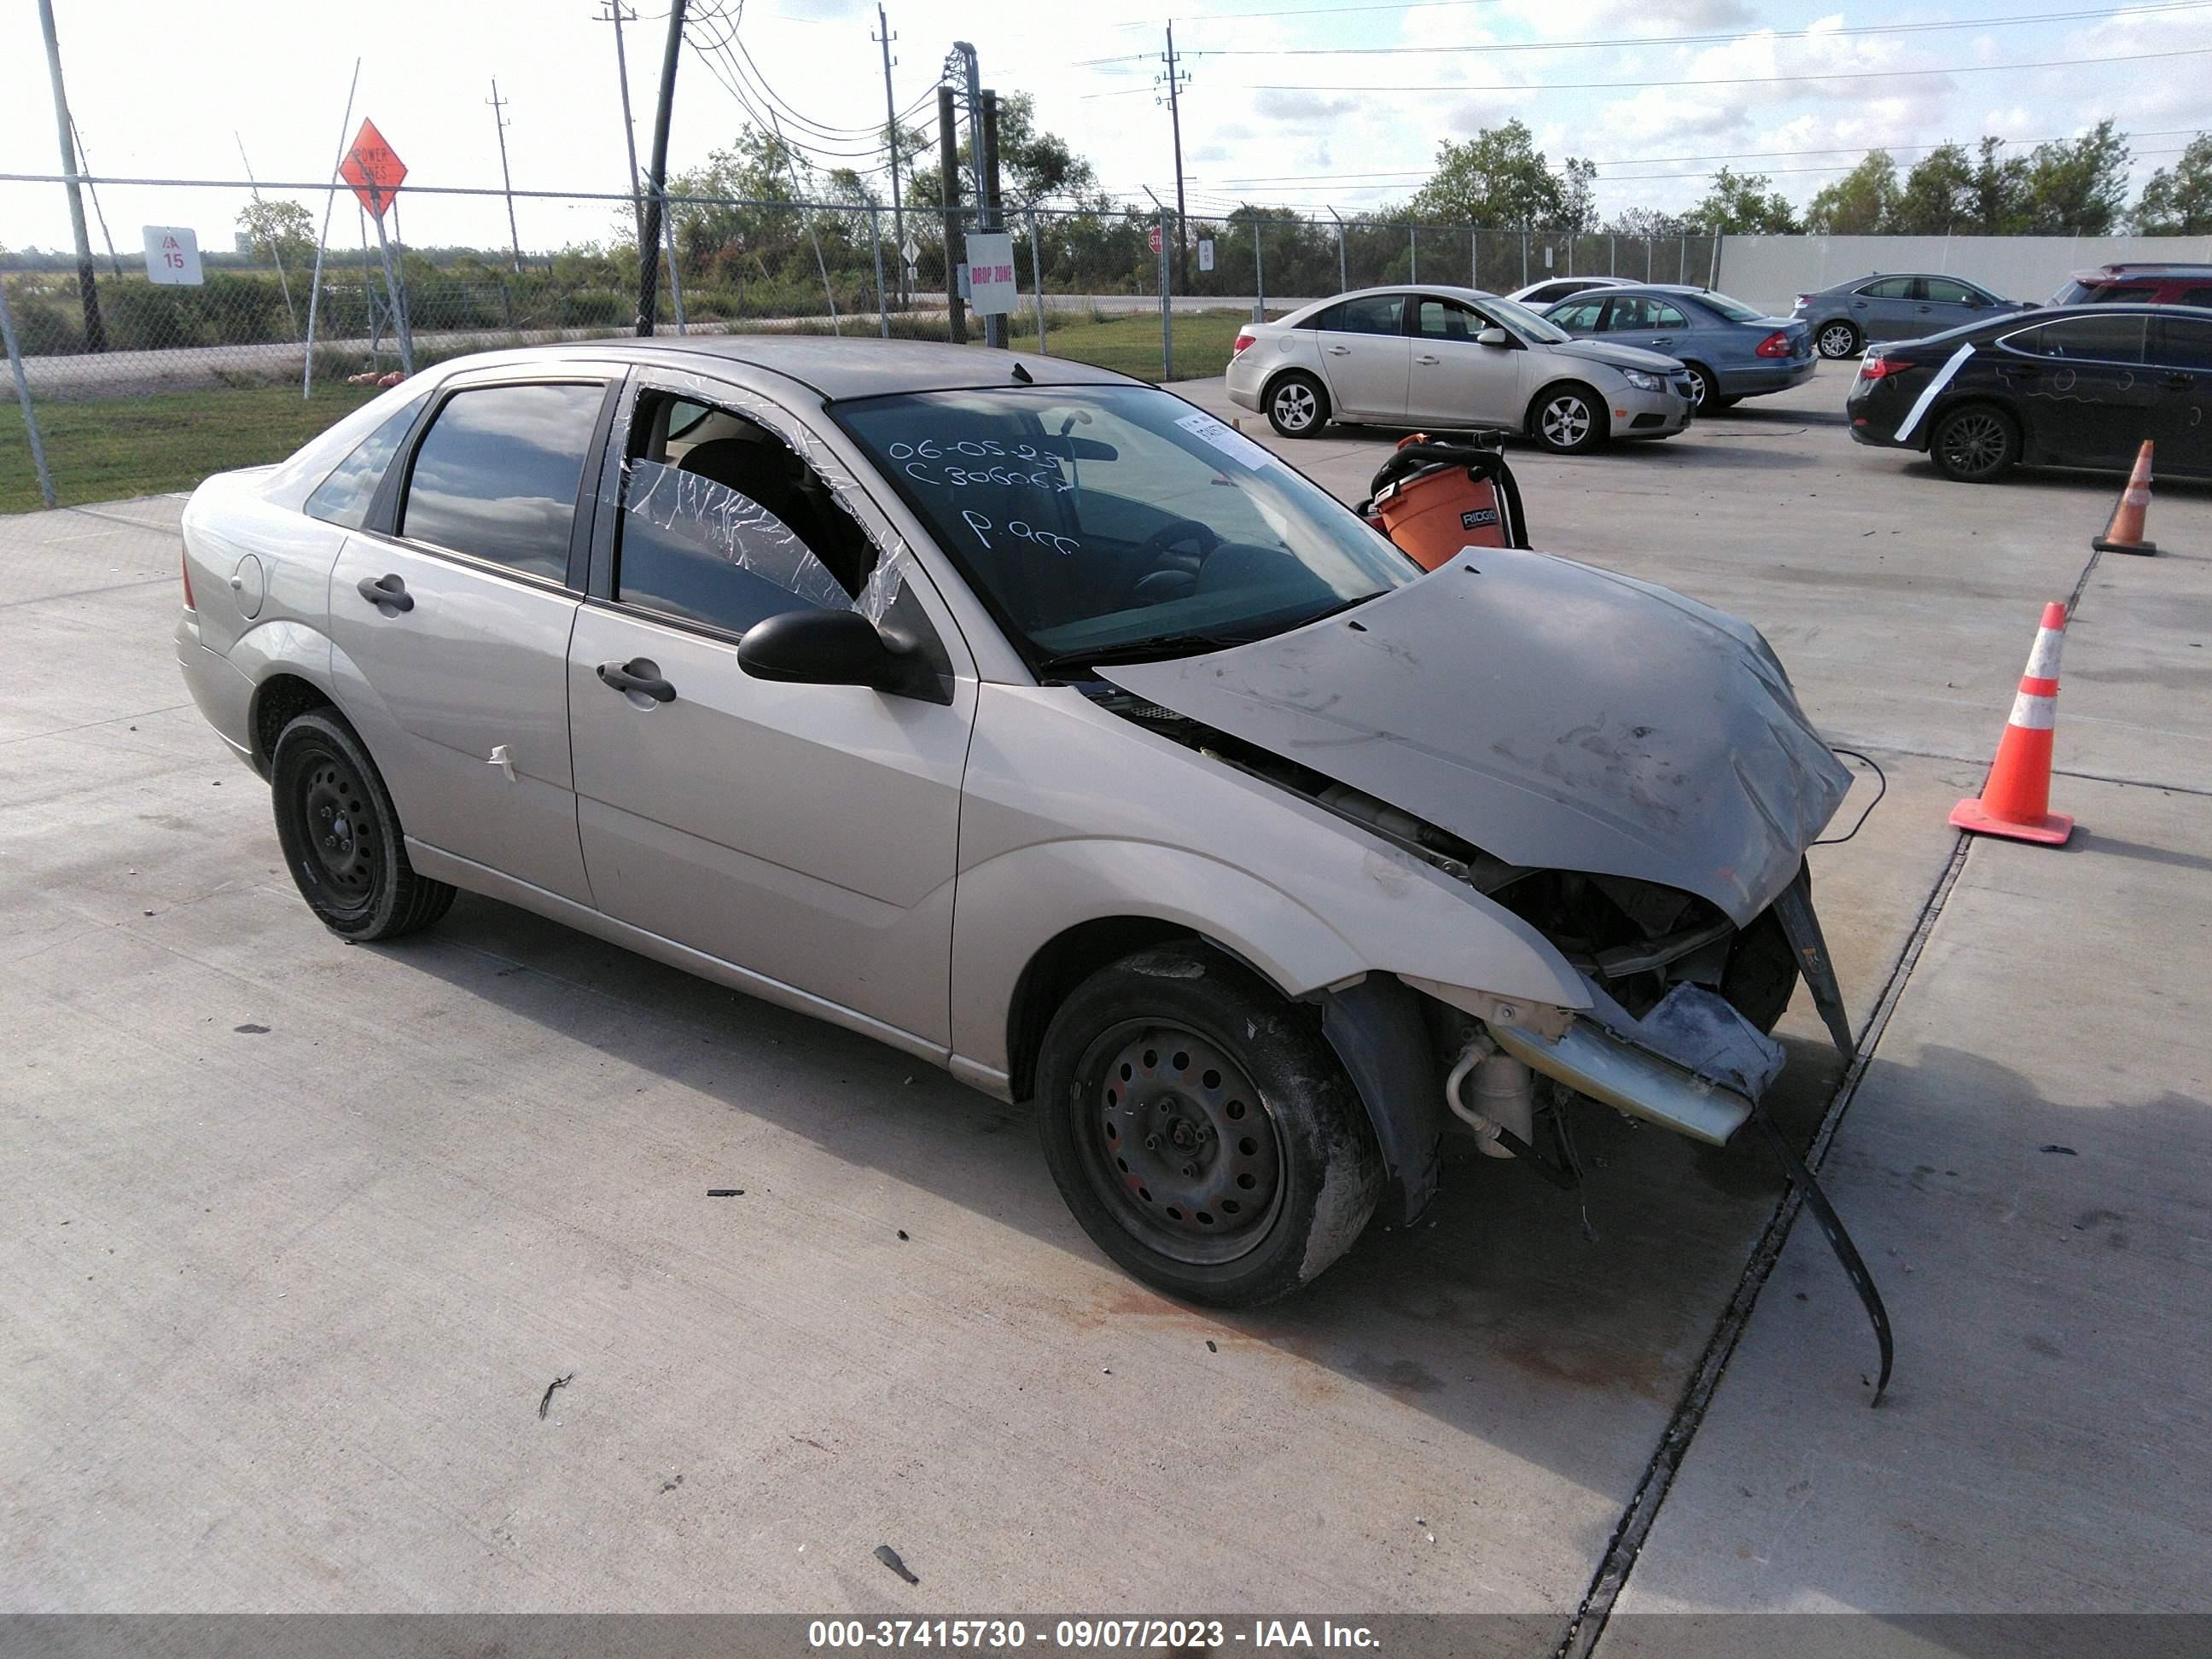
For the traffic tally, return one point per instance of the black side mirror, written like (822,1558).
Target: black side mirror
(835,647)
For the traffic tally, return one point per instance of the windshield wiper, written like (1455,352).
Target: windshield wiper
(1145,650)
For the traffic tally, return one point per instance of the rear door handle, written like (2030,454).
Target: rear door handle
(386,589)
(637,675)
(1425,358)
(2179,382)
(1337,351)
(1663,339)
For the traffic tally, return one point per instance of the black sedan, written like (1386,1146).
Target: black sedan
(2070,386)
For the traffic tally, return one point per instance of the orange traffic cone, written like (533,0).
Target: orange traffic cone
(2125,534)
(2015,802)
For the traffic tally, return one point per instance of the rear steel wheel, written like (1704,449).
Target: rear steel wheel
(341,836)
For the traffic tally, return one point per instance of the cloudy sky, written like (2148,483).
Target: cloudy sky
(1314,102)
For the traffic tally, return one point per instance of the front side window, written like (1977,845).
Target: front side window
(497,476)
(1581,313)
(723,524)
(345,497)
(1100,520)
(1378,314)
(1641,313)
(1442,319)
(2084,339)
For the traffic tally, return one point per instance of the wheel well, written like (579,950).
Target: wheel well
(1321,389)
(1064,962)
(277,701)
(1952,406)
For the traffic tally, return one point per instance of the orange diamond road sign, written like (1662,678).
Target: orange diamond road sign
(373,168)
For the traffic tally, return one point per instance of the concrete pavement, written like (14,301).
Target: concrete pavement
(301,1232)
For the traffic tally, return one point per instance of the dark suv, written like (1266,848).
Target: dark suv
(2163,284)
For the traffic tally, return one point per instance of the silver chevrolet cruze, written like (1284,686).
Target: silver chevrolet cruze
(1028,719)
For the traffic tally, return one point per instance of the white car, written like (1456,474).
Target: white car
(1453,357)
(1537,296)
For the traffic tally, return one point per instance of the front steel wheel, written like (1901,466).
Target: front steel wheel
(1201,1130)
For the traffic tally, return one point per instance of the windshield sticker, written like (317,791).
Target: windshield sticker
(1230,442)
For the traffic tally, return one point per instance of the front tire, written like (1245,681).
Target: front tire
(1568,419)
(1838,339)
(1201,1130)
(340,837)
(1297,405)
(1702,394)
(1974,443)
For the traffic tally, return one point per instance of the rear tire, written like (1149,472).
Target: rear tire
(1838,339)
(340,837)
(1568,419)
(1297,405)
(1974,443)
(1201,1130)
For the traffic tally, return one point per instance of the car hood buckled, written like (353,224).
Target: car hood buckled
(1617,356)
(1552,714)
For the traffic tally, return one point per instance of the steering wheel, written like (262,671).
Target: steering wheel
(1164,574)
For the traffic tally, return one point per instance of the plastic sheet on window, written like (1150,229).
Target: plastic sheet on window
(733,526)
(893,558)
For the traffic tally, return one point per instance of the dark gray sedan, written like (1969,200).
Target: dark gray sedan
(1909,306)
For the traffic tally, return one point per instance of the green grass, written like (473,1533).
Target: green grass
(112,447)
(119,447)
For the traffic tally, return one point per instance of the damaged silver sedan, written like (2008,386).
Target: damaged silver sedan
(1026,718)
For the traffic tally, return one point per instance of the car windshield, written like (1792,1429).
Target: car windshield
(1734,310)
(1099,519)
(1525,322)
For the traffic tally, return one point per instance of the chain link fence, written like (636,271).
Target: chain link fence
(279,338)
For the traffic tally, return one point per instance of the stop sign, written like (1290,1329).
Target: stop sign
(1152,239)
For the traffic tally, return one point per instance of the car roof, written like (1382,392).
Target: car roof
(2184,268)
(1451,289)
(840,367)
(2012,321)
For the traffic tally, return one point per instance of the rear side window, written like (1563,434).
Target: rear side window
(343,498)
(1378,314)
(2085,340)
(2186,343)
(2195,296)
(1942,291)
(2118,295)
(1889,288)
(497,476)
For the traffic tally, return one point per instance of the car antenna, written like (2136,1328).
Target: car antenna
(1024,375)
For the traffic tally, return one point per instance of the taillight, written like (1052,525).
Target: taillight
(1804,299)
(185,564)
(1874,367)
(1776,344)
(1243,339)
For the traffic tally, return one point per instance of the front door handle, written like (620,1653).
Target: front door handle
(637,675)
(1663,339)
(1337,351)
(386,589)
(2179,382)
(1425,358)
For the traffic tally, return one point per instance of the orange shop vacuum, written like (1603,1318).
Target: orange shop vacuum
(1437,495)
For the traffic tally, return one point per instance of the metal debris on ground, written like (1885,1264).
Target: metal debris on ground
(726,1192)
(2065,1151)
(545,1404)
(890,1557)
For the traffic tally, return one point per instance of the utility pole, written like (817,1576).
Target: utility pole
(617,13)
(986,124)
(506,181)
(885,36)
(87,287)
(99,213)
(275,253)
(1174,78)
(648,240)
(948,172)
(962,62)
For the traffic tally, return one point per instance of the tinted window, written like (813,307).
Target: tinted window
(1734,310)
(1583,314)
(2117,295)
(2187,343)
(496,475)
(1890,288)
(1666,316)
(2195,296)
(1378,314)
(1440,319)
(343,497)
(2089,339)
(1640,313)
(1942,291)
